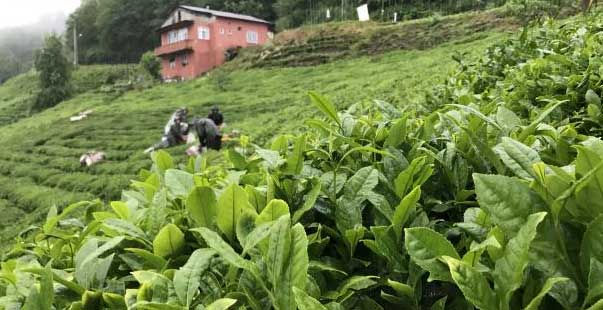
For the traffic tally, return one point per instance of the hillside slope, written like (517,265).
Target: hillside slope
(39,160)
(318,44)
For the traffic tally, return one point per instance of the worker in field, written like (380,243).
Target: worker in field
(175,131)
(208,132)
(216,116)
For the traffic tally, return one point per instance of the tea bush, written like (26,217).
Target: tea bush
(487,197)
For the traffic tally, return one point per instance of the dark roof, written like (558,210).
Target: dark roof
(225,14)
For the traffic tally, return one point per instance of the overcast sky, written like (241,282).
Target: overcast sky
(23,12)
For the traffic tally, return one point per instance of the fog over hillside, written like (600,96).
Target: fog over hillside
(18,44)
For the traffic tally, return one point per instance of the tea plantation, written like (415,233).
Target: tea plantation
(39,156)
(465,176)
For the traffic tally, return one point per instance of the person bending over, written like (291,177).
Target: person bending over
(175,131)
(208,135)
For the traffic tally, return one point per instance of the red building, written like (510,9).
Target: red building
(195,40)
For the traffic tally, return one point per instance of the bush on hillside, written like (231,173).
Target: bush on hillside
(151,64)
(55,74)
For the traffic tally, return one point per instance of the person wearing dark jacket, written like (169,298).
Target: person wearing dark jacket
(208,133)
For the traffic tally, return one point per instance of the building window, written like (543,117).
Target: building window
(222,30)
(177,35)
(203,33)
(184,60)
(173,63)
(229,32)
(252,37)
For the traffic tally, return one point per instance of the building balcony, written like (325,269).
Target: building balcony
(178,47)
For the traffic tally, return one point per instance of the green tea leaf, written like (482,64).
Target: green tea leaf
(202,206)
(592,244)
(472,283)
(188,278)
(257,199)
(53,218)
(321,266)
(477,249)
(309,201)
(125,228)
(354,283)
(509,269)
(405,293)
(121,209)
(478,114)
(279,247)
(299,260)
(595,282)
(273,211)
(425,247)
(43,298)
(221,304)
(305,301)
(415,175)
(404,209)
(152,260)
(231,205)
(597,306)
(386,245)
(517,157)
(548,285)
(90,269)
(353,236)
(507,118)
(179,183)
(278,263)
(215,242)
(246,225)
(507,200)
(325,106)
(169,242)
(591,97)
(257,235)
(361,183)
(163,161)
(397,133)
(114,301)
(589,193)
(238,161)
(530,129)
(295,161)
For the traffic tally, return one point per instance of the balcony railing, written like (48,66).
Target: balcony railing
(177,47)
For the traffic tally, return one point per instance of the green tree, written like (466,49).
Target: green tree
(55,73)
(291,13)
(125,28)
(151,64)
(84,20)
(9,66)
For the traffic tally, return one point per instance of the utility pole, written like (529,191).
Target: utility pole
(75,60)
